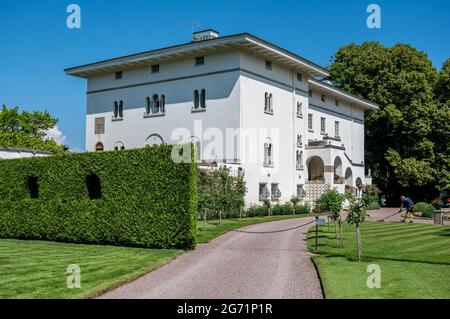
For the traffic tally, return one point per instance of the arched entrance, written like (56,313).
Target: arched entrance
(99,147)
(315,169)
(337,170)
(349,180)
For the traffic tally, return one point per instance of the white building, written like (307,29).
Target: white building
(310,134)
(20,152)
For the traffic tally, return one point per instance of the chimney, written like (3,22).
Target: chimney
(204,35)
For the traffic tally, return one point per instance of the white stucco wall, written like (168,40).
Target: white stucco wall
(235,82)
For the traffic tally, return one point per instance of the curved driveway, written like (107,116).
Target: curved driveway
(236,265)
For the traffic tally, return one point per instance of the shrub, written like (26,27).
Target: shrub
(139,198)
(277,209)
(426,209)
(219,191)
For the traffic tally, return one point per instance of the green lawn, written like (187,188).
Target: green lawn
(216,228)
(414,261)
(37,269)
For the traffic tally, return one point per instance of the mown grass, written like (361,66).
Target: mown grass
(37,269)
(414,261)
(395,241)
(216,228)
(344,279)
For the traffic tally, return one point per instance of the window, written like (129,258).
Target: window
(299,160)
(118,75)
(99,125)
(33,187)
(203,99)
(263,191)
(300,191)
(275,190)
(99,147)
(196,99)
(322,125)
(310,122)
(336,102)
(155,105)
(155,68)
(93,186)
(200,60)
(118,110)
(119,146)
(299,77)
(268,154)
(299,141)
(323,98)
(310,93)
(268,103)
(336,129)
(299,110)
(199,100)
(268,65)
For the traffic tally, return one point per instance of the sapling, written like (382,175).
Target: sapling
(357,214)
(330,202)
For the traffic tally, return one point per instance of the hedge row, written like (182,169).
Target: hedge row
(147,200)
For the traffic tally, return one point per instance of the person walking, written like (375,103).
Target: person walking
(408,205)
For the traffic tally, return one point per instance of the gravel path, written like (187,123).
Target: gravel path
(236,265)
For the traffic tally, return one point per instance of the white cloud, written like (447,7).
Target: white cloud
(56,135)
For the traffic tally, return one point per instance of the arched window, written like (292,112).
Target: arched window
(299,140)
(162,104)
(270,102)
(116,109)
(299,109)
(148,106)
(196,100)
(266,102)
(268,154)
(33,187)
(99,147)
(299,160)
(203,99)
(119,146)
(155,102)
(121,109)
(93,186)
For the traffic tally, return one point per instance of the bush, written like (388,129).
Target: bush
(142,199)
(219,191)
(277,209)
(424,208)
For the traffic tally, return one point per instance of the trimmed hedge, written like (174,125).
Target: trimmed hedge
(147,200)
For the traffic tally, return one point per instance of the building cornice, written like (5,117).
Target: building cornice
(244,41)
(338,93)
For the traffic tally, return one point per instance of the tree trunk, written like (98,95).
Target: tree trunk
(340,230)
(336,228)
(359,244)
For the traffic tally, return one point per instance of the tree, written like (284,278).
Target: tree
(330,202)
(27,129)
(408,137)
(357,214)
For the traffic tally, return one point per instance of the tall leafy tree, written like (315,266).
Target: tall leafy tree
(407,141)
(27,129)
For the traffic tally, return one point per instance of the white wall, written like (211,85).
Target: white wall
(235,82)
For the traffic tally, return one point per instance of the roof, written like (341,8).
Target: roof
(244,41)
(331,90)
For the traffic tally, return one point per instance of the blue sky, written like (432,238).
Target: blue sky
(36,45)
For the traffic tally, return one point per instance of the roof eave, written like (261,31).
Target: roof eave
(365,104)
(243,40)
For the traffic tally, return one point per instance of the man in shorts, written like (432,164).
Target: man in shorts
(407,204)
